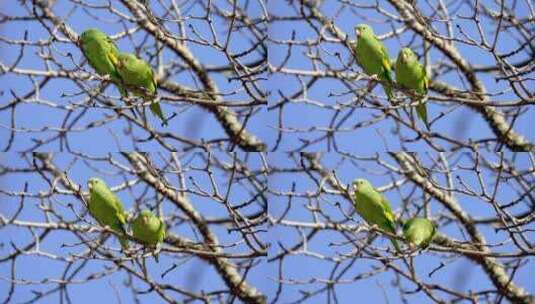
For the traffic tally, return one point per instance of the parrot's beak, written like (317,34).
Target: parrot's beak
(357,32)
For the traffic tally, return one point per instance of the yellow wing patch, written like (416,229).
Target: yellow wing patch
(154,82)
(113,58)
(386,58)
(387,210)
(389,216)
(122,217)
(386,64)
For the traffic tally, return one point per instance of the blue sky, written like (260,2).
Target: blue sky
(194,122)
(191,121)
(460,122)
(378,289)
(192,273)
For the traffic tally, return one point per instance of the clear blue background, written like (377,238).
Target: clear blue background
(192,121)
(460,122)
(192,274)
(458,274)
(197,123)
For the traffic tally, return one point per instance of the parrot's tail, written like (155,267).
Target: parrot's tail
(396,245)
(122,90)
(124,243)
(117,80)
(123,240)
(388,86)
(421,110)
(157,110)
(389,93)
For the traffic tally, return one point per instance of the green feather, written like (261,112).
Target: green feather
(372,56)
(149,229)
(101,53)
(138,77)
(374,208)
(106,208)
(410,74)
(419,231)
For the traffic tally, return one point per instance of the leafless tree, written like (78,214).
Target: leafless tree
(205,54)
(478,54)
(214,207)
(483,205)
(254,75)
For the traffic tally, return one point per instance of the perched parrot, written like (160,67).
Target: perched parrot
(372,56)
(106,208)
(419,232)
(101,53)
(374,208)
(138,77)
(410,74)
(149,229)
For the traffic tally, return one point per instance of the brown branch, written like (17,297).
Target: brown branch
(496,120)
(209,251)
(498,124)
(225,116)
(491,266)
(226,269)
(228,119)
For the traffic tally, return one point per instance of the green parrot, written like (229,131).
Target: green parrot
(149,229)
(372,56)
(419,231)
(137,75)
(101,53)
(410,74)
(374,208)
(106,208)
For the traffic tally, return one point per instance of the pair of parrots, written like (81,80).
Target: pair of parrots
(108,210)
(372,56)
(127,72)
(375,209)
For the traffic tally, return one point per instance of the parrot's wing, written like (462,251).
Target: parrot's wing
(150,77)
(386,204)
(111,43)
(426,81)
(161,231)
(391,220)
(387,211)
(112,57)
(151,73)
(434,231)
(119,209)
(421,108)
(385,58)
(386,64)
(136,228)
(155,106)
